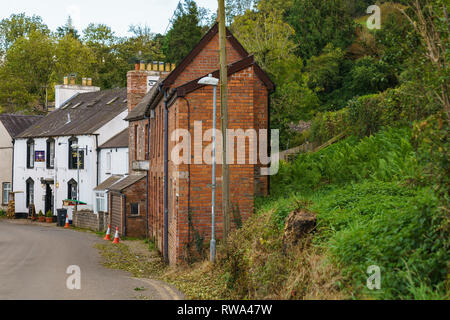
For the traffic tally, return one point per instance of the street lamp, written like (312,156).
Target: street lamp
(76,147)
(210,81)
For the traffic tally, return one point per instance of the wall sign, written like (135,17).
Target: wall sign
(39,156)
(151,81)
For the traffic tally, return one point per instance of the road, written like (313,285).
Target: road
(34,260)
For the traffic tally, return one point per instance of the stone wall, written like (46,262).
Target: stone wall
(89,220)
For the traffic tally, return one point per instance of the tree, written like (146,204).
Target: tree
(17,26)
(68,29)
(72,57)
(430,21)
(27,70)
(185,32)
(107,70)
(235,8)
(265,34)
(318,23)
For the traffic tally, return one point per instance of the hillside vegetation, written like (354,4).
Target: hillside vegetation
(381,194)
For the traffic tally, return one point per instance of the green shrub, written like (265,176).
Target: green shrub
(388,225)
(327,125)
(386,156)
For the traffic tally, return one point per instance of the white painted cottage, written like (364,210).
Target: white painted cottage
(45,161)
(113,155)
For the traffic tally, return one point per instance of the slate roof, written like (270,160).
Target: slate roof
(108,182)
(120,140)
(126,182)
(88,112)
(15,124)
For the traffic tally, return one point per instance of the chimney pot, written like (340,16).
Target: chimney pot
(89,82)
(66,81)
(83,81)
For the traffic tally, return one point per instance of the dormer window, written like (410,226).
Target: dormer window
(30,154)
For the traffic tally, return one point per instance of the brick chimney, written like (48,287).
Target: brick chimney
(142,79)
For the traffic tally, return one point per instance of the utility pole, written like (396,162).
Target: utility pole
(224,115)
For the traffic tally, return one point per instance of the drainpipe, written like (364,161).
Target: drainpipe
(147,182)
(269,136)
(97,150)
(12,165)
(166,179)
(124,214)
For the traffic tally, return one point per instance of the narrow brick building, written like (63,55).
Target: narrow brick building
(179,102)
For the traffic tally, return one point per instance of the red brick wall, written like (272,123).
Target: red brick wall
(248,108)
(207,61)
(195,180)
(135,225)
(136,87)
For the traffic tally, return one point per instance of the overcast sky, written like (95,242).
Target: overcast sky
(119,15)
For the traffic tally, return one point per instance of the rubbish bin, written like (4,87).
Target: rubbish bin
(61,218)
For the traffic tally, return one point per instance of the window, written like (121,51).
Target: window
(30,192)
(108,162)
(72,190)
(134,209)
(73,158)
(6,191)
(50,154)
(30,154)
(100,198)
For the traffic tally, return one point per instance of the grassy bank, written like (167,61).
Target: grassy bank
(376,204)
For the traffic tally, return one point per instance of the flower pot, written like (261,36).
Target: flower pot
(49,219)
(41,219)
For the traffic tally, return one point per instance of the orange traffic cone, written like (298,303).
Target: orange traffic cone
(108,233)
(67,222)
(116,236)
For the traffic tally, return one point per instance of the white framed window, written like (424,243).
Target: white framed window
(6,190)
(100,201)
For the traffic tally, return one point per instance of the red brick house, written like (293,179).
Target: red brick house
(180,193)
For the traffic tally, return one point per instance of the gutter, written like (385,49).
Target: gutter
(147,155)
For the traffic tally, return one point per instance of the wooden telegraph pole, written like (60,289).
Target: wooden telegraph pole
(224,118)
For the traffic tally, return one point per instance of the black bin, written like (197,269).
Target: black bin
(61,218)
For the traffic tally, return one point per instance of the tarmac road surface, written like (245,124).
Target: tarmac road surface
(34,261)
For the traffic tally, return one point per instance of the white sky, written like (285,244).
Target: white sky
(119,15)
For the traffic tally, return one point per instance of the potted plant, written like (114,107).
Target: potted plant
(41,216)
(49,217)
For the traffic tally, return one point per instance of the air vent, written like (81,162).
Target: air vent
(112,101)
(77,105)
(65,106)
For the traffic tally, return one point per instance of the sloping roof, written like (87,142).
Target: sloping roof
(120,140)
(15,124)
(139,111)
(155,95)
(126,182)
(108,182)
(198,48)
(88,112)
